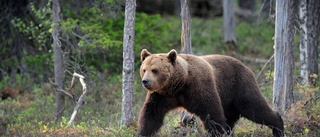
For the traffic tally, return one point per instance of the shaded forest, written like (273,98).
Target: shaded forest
(91,36)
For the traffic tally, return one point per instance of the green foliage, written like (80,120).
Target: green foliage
(100,39)
(36,30)
(255,39)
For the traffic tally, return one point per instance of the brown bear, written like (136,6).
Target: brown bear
(218,89)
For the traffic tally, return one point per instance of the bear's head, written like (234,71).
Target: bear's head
(156,70)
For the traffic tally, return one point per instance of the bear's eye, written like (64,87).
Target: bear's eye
(154,71)
(144,70)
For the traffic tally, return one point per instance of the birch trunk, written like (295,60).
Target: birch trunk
(284,63)
(58,59)
(304,69)
(309,39)
(228,22)
(128,63)
(186,46)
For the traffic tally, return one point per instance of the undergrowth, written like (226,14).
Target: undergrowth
(32,114)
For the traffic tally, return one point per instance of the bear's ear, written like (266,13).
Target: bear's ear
(144,54)
(172,55)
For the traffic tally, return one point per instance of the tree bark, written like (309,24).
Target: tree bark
(186,46)
(128,63)
(58,59)
(309,13)
(313,25)
(304,68)
(284,59)
(228,22)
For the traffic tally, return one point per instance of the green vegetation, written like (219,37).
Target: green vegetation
(93,41)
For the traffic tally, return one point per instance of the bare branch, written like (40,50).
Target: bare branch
(80,101)
(264,66)
(61,90)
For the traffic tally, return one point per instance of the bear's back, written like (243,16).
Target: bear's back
(230,74)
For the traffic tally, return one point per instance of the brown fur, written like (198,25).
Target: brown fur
(218,89)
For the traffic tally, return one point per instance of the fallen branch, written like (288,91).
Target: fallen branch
(80,101)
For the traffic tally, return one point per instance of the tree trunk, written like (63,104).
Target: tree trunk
(313,25)
(284,60)
(128,63)
(309,39)
(58,59)
(228,22)
(304,70)
(186,46)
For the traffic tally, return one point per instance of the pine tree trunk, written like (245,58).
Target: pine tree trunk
(186,46)
(284,59)
(58,59)
(228,22)
(128,63)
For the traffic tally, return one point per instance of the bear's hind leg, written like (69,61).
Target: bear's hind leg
(259,112)
(231,121)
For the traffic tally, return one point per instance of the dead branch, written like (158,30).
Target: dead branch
(309,100)
(246,13)
(264,66)
(80,101)
(61,90)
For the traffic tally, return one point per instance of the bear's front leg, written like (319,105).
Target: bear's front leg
(152,113)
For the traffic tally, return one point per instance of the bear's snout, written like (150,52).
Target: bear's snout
(145,82)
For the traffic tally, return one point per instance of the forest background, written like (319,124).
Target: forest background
(91,35)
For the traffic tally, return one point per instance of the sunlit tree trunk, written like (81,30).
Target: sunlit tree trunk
(58,59)
(284,60)
(228,22)
(128,63)
(186,46)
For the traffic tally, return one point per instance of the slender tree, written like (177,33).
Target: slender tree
(58,59)
(304,71)
(228,22)
(128,63)
(284,61)
(309,14)
(186,46)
